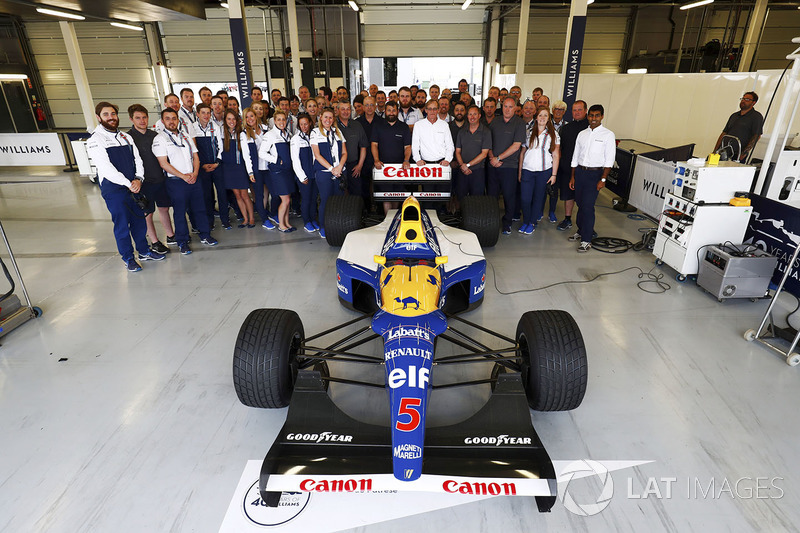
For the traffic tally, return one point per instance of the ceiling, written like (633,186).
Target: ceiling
(130,10)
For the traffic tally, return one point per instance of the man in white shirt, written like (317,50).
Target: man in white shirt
(592,160)
(431,141)
(406,112)
(177,155)
(186,113)
(171,101)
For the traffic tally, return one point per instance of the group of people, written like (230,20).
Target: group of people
(290,155)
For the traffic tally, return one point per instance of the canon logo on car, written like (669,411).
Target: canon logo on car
(499,440)
(325,436)
(413,172)
(494,489)
(335,485)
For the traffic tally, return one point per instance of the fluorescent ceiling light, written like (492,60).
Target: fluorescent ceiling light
(696,4)
(466,4)
(13,76)
(353,5)
(637,71)
(224,4)
(127,26)
(45,11)
(589,2)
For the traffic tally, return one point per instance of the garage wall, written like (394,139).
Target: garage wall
(201,51)
(397,30)
(547,31)
(776,41)
(117,66)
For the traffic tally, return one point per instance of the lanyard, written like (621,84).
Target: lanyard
(284,135)
(331,138)
(181,137)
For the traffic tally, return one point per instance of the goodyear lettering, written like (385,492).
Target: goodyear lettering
(336,485)
(417,332)
(493,489)
(325,436)
(416,377)
(412,352)
(407,451)
(499,440)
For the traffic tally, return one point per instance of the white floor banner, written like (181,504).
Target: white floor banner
(30,149)
(651,182)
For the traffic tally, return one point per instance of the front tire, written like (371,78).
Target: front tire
(265,357)
(343,214)
(481,216)
(554,366)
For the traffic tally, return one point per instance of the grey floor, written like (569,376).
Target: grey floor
(138,428)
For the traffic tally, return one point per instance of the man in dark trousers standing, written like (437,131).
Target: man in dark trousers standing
(595,150)
(120,173)
(508,134)
(569,133)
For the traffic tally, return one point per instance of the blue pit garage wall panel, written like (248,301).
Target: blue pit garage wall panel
(241,58)
(574,62)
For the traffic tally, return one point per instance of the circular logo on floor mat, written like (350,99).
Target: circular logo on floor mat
(289,507)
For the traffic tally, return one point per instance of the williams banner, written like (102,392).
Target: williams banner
(775,227)
(574,61)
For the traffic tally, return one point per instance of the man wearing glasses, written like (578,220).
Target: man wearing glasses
(746,125)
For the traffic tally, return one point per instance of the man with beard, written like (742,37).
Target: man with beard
(459,119)
(407,113)
(120,173)
(420,99)
(186,113)
(177,154)
(391,143)
(746,125)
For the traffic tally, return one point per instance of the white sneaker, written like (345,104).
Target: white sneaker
(584,247)
(575,237)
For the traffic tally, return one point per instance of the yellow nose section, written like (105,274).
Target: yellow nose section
(410,223)
(410,290)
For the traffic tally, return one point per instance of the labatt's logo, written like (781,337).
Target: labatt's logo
(413,172)
(417,332)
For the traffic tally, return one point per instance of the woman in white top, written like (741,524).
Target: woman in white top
(539,156)
(330,154)
(258,183)
(238,165)
(275,150)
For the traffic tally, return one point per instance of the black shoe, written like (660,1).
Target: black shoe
(132,265)
(184,248)
(171,241)
(159,247)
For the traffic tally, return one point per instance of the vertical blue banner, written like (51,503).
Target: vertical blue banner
(574,62)
(241,59)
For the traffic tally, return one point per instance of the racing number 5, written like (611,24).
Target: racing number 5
(409,406)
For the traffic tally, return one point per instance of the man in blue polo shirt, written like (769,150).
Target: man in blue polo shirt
(391,143)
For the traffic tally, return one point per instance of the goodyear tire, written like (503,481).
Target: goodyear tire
(481,216)
(554,368)
(343,214)
(265,357)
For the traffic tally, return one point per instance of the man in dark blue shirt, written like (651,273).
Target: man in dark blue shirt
(391,143)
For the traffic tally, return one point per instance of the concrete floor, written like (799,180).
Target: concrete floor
(138,428)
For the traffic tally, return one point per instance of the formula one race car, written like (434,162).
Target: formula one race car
(410,276)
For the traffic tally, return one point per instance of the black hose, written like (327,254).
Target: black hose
(10,280)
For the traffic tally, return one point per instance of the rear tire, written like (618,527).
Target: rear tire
(554,367)
(265,357)
(343,214)
(481,216)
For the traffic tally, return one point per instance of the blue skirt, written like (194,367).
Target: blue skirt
(236,176)
(281,182)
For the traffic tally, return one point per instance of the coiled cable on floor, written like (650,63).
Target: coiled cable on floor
(611,245)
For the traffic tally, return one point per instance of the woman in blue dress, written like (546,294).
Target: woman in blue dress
(238,165)
(330,154)
(276,151)
(254,135)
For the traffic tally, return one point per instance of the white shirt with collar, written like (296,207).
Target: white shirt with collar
(447,118)
(178,148)
(595,148)
(97,146)
(411,116)
(538,157)
(211,130)
(187,117)
(218,123)
(432,142)
(267,150)
(301,140)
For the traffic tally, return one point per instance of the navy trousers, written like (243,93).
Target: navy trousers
(128,219)
(472,184)
(309,195)
(187,198)
(262,179)
(218,180)
(504,180)
(327,187)
(585,197)
(533,193)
